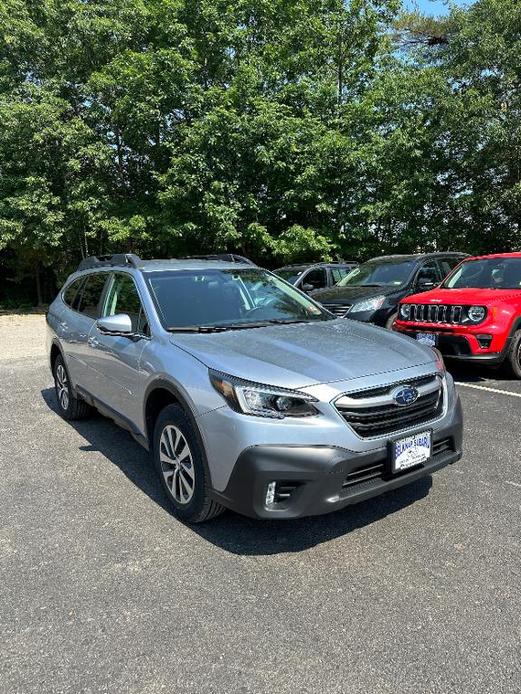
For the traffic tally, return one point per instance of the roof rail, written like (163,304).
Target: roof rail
(93,261)
(226,257)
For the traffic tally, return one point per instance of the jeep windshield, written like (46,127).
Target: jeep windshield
(214,300)
(384,273)
(487,273)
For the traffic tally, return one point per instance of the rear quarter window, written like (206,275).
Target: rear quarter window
(72,293)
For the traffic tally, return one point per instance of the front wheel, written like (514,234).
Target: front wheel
(514,355)
(178,459)
(390,321)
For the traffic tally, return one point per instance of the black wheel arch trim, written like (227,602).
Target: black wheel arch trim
(56,343)
(182,400)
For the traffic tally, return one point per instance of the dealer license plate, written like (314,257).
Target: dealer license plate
(411,451)
(429,339)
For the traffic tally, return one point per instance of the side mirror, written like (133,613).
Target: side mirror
(307,287)
(120,324)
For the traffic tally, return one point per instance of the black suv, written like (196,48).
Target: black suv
(373,291)
(309,278)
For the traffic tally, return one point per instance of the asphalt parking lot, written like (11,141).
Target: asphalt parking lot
(104,591)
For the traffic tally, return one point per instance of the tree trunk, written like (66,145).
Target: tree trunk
(38,284)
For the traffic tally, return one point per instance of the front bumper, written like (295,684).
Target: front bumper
(459,344)
(315,480)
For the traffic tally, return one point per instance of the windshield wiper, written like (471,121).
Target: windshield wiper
(197,328)
(219,328)
(222,327)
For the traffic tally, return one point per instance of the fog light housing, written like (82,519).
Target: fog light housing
(484,341)
(280,492)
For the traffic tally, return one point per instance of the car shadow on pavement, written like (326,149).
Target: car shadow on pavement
(477,373)
(232,532)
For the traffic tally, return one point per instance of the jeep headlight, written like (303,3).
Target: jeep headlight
(368,304)
(261,400)
(405,311)
(476,314)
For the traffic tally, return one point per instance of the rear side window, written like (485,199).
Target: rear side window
(72,294)
(123,297)
(339,273)
(91,295)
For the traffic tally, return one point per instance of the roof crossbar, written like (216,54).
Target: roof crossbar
(119,259)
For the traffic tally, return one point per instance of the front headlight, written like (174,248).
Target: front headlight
(440,363)
(368,304)
(476,314)
(260,400)
(405,311)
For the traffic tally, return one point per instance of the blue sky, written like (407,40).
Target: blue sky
(434,7)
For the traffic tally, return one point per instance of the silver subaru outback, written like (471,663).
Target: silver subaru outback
(248,394)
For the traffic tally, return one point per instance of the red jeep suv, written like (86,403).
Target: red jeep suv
(473,315)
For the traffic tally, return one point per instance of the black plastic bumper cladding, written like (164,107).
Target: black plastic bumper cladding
(319,474)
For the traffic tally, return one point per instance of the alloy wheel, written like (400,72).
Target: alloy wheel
(62,387)
(177,464)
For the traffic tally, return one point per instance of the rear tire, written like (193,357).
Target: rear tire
(179,461)
(69,406)
(513,359)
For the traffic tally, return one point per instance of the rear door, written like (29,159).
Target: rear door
(83,310)
(119,380)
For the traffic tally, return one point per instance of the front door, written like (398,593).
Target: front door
(115,360)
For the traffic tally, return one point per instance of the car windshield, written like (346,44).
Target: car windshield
(379,274)
(228,299)
(290,274)
(487,273)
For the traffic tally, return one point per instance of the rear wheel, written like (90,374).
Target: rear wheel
(69,405)
(179,462)
(514,355)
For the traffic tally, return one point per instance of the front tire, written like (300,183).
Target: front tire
(514,355)
(70,407)
(178,459)
(390,321)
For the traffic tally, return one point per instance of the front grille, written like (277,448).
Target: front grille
(363,474)
(338,309)
(385,390)
(436,313)
(376,470)
(378,414)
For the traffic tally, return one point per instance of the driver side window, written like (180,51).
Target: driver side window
(123,297)
(428,274)
(315,278)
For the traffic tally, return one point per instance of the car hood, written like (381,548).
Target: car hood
(464,296)
(350,294)
(300,355)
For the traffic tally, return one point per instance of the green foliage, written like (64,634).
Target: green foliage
(282,129)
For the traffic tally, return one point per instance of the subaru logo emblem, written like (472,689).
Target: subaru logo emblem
(405,395)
